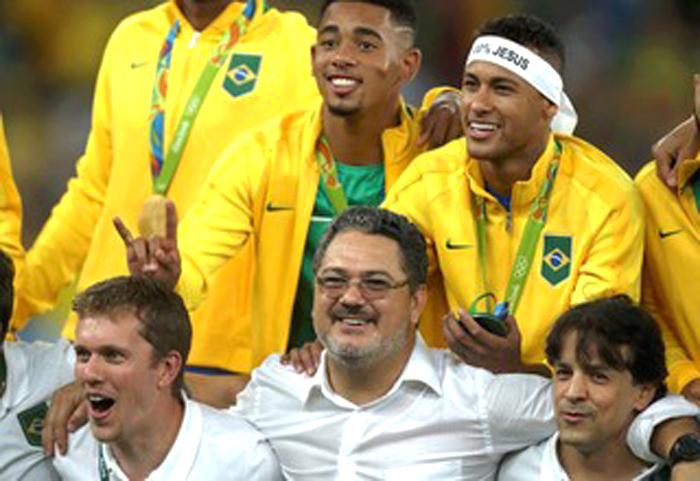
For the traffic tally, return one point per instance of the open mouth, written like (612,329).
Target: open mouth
(343,85)
(481,130)
(100,406)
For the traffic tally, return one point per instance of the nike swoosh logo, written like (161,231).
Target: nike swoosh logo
(135,65)
(664,235)
(277,208)
(452,246)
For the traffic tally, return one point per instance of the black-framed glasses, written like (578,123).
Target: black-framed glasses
(372,288)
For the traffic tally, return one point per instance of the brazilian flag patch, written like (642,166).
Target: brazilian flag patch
(556,258)
(242,74)
(32,420)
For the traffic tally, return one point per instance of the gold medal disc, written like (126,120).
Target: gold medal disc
(152,216)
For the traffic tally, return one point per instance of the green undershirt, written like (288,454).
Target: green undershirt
(363,185)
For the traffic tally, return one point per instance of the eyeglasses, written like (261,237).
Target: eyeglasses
(373,288)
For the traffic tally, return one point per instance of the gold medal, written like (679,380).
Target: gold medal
(152,216)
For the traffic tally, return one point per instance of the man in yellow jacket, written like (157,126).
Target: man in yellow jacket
(672,259)
(523,220)
(280,185)
(177,84)
(263,74)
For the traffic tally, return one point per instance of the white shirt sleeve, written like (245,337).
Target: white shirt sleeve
(642,428)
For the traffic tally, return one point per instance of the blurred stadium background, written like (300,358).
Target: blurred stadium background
(629,72)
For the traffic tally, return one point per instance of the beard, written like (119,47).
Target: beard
(367,355)
(344,111)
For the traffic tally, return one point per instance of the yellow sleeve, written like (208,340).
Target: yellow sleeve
(614,262)
(681,369)
(10,206)
(220,221)
(409,198)
(59,251)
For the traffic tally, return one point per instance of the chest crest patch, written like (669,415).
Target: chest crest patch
(242,74)
(32,420)
(556,258)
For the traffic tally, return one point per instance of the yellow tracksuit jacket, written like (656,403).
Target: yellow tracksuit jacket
(114,178)
(11,208)
(672,269)
(591,245)
(262,191)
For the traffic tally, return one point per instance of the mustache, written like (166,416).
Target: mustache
(580,410)
(341,312)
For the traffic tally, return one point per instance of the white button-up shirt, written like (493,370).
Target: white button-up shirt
(210,445)
(442,419)
(541,463)
(34,371)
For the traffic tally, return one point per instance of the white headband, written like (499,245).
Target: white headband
(533,69)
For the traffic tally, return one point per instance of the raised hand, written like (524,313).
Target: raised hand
(681,143)
(157,257)
(442,122)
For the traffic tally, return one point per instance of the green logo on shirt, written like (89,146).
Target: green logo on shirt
(556,258)
(32,420)
(242,74)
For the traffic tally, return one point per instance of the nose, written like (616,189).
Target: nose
(477,101)
(353,294)
(576,388)
(90,371)
(343,55)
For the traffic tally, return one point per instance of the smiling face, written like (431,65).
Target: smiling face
(595,404)
(361,58)
(503,116)
(355,330)
(124,384)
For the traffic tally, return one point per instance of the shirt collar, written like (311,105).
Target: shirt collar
(552,470)
(180,458)
(254,8)
(422,367)
(396,140)
(524,192)
(687,170)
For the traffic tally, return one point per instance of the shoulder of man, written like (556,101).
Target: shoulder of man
(524,465)
(50,361)
(592,170)
(647,180)
(441,163)
(280,133)
(289,22)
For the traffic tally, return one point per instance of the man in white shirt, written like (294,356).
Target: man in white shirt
(132,340)
(609,363)
(29,373)
(381,405)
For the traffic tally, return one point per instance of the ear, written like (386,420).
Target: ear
(410,64)
(550,110)
(645,394)
(170,367)
(418,300)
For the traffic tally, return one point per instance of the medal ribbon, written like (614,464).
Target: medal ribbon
(163,167)
(528,243)
(102,464)
(329,175)
(696,189)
